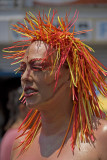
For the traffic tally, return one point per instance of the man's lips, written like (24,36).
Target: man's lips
(29,91)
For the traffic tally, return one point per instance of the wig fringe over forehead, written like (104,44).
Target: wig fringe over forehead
(86,73)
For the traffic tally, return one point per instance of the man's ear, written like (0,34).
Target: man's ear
(67,76)
(68,79)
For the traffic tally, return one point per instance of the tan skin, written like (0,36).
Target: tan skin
(55,108)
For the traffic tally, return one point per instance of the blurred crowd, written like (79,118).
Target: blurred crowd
(17,113)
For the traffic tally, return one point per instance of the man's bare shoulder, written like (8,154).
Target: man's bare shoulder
(101,138)
(101,129)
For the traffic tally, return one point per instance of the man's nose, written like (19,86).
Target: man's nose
(26,75)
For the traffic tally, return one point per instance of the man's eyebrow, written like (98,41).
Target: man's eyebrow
(36,60)
(39,61)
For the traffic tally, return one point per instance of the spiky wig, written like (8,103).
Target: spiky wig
(86,73)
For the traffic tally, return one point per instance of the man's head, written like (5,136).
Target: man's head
(58,47)
(37,81)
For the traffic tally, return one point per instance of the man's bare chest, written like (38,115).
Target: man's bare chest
(87,152)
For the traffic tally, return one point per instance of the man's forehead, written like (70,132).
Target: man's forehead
(37,46)
(38,50)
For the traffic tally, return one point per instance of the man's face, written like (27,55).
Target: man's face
(37,83)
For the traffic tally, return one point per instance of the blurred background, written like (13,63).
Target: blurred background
(92,15)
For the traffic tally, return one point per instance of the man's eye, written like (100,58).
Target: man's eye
(21,70)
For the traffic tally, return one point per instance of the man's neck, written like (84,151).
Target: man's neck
(55,117)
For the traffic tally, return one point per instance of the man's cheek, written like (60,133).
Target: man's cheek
(49,79)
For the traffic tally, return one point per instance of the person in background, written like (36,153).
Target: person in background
(1,120)
(18,112)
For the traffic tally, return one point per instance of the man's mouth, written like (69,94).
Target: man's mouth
(28,92)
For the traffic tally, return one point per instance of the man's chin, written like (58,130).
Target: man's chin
(31,105)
